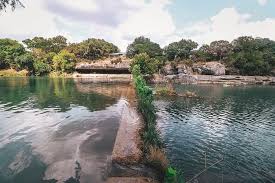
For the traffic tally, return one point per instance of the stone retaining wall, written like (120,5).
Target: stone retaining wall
(103,78)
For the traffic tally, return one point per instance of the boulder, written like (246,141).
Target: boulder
(209,68)
(168,69)
(184,69)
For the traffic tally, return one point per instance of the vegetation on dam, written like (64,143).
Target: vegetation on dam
(152,147)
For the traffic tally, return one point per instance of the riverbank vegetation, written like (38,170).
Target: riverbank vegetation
(152,147)
(244,55)
(41,56)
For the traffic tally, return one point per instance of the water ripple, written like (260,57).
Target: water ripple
(237,123)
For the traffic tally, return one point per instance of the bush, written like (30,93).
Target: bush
(41,68)
(25,61)
(13,73)
(147,65)
(64,61)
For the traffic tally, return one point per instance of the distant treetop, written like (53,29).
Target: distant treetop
(12,3)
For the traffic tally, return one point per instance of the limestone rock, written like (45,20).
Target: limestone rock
(168,69)
(209,68)
(184,69)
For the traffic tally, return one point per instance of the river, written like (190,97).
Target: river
(57,130)
(233,124)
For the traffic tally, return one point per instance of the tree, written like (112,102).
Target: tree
(41,68)
(64,61)
(180,50)
(42,61)
(147,65)
(143,45)
(202,54)
(55,44)
(9,50)
(25,61)
(12,3)
(220,50)
(253,56)
(92,49)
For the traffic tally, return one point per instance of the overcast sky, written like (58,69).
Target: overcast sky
(120,21)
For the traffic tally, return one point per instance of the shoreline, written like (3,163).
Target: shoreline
(231,80)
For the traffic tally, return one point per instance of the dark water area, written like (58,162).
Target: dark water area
(56,130)
(233,124)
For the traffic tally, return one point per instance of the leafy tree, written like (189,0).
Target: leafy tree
(42,62)
(64,61)
(143,45)
(180,50)
(9,50)
(202,54)
(55,44)
(216,51)
(41,68)
(25,61)
(253,56)
(92,49)
(147,65)
(12,3)
(219,50)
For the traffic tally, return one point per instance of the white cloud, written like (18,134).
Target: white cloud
(229,24)
(262,2)
(122,21)
(118,21)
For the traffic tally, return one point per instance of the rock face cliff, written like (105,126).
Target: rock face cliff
(111,65)
(207,73)
(209,68)
(201,68)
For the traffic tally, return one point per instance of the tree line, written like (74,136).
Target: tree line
(245,55)
(40,56)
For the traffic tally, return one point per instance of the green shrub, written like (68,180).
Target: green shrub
(147,65)
(41,68)
(64,61)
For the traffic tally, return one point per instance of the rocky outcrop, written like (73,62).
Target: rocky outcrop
(209,68)
(168,69)
(184,69)
(109,65)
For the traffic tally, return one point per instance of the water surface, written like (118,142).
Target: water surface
(236,124)
(56,130)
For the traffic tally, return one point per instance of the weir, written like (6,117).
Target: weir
(126,161)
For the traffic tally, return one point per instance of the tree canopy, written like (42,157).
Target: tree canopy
(55,44)
(253,56)
(12,3)
(143,45)
(180,50)
(92,49)
(40,56)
